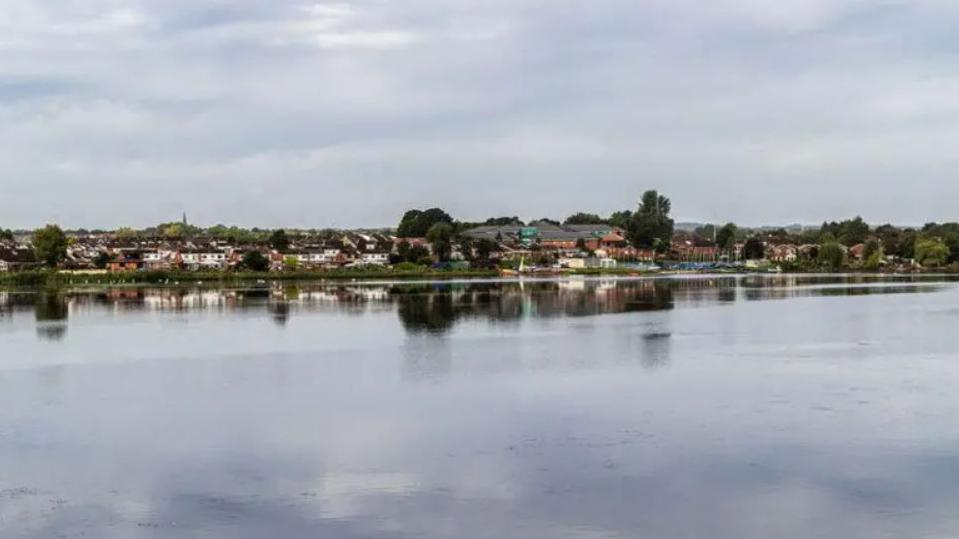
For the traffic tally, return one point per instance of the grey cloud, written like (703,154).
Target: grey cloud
(275,113)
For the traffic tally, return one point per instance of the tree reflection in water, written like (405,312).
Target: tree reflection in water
(434,309)
(51,311)
(656,349)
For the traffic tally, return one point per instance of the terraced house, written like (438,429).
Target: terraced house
(16,257)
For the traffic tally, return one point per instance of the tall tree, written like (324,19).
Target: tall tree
(440,236)
(931,252)
(872,254)
(849,232)
(871,247)
(50,245)
(403,251)
(6,235)
(705,233)
(620,219)
(279,240)
(651,226)
(255,261)
(484,247)
(949,234)
(405,228)
(726,237)
(754,249)
(416,223)
(831,255)
(853,232)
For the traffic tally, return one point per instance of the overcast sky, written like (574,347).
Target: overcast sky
(287,113)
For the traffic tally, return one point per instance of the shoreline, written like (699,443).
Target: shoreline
(56,279)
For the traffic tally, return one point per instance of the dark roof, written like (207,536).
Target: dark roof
(544,231)
(17,254)
(601,229)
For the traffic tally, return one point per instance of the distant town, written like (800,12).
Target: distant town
(432,240)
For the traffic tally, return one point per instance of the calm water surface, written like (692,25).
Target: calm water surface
(727,407)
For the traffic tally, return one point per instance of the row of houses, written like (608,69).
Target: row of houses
(94,251)
(16,257)
(779,253)
(212,256)
(605,241)
(597,242)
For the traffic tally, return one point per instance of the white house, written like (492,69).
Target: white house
(379,258)
(204,258)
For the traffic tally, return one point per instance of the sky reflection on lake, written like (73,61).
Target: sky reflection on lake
(727,407)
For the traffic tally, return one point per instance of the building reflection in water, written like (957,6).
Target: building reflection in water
(433,309)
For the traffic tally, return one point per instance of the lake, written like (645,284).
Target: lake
(721,407)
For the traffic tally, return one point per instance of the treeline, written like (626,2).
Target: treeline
(648,226)
(829,246)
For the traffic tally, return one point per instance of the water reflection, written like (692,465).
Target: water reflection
(51,311)
(690,407)
(436,308)
(280,310)
(656,349)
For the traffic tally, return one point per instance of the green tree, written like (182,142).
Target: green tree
(853,232)
(125,233)
(485,247)
(849,232)
(871,247)
(416,223)
(831,255)
(50,245)
(466,247)
(255,261)
(620,219)
(931,252)
(949,234)
(440,236)
(504,221)
(584,219)
(279,240)
(754,249)
(173,231)
(545,221)
(6,235)
(726,237)
(705,233)
(407,224)
(403,251)
(418,253)
(651,226)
